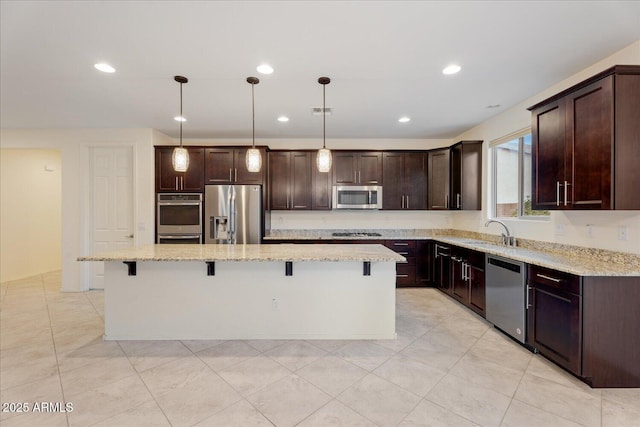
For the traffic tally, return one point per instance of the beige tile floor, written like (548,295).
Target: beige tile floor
(448,367)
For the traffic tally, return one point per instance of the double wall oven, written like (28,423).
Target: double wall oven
(179,218)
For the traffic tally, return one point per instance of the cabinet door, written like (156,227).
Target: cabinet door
(218,165)
(470,176)
(166,177)
(393,177)
(456,177)
(344,168)
(477,292)
(439,179)
(442,270)
(548,156)
(554,326)
(279,170)
(241,174)
(424,262)
(459,286)
(321,182)
(193,179)
(370,169)
(415,181)
(590,141)
(300,180)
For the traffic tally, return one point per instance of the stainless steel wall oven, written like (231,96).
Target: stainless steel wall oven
(179,218)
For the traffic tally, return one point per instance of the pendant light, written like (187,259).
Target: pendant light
(323,159)
(253,157)
(180,158)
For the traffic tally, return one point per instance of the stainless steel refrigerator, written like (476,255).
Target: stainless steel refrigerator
(232,214)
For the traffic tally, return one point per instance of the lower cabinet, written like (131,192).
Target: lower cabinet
(441,267)
(468,278)
(554,316)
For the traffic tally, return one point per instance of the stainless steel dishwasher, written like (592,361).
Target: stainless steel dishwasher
(505,295)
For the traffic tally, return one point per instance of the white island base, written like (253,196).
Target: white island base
(177,300)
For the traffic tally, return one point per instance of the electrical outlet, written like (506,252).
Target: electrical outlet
(560,228)
(274,304)
(623,232)
(590,230)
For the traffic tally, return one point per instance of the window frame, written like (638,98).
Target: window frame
(520,136)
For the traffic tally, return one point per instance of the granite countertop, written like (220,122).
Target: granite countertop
(284,252)
(570,259)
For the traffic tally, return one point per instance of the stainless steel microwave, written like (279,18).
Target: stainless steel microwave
(357,197)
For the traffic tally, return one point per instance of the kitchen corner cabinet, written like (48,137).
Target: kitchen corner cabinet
(168,180)
(466,176)
(290,180)
(438,178)
(357,168)
(586,144)
(405,180)
(226,165)
(468,278)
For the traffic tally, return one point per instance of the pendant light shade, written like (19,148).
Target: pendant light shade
(323,158)
(253,157)
(180,157)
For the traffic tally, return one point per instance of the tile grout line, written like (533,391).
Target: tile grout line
(55,351)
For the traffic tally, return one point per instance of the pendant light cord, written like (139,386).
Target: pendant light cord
(324,117)
(181,116)
(253,115)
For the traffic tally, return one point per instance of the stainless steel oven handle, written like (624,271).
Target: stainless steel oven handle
(179,236)
(179,203)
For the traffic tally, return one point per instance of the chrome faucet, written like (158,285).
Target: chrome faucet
(507,239)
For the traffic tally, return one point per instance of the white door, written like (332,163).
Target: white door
(111,204)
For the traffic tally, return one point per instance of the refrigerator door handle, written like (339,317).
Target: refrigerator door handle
(233,214)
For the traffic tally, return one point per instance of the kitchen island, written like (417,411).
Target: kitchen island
(284,291)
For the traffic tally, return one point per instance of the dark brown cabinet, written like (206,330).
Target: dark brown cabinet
(438,168)
(468,278)
(405,271)
(168,180)
(321,182)
(405,180)
(466,176)
(357,168)
(226,165)
(586,144)
(290,180)
(442,267)
(554,316)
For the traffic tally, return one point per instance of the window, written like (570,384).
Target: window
(512,190)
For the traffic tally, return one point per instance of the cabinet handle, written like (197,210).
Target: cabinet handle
(177,183)
(402,202)
(558,193)
(542,276)
(458,200)
(182,182)
(236,174)
(403,253)
(402,275)
(446,201)
(230,175)
(406,205)
(566,185)
(527,301)
(463,270)
(400,244)
(359,177)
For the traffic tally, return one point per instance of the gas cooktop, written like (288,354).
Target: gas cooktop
(357,234)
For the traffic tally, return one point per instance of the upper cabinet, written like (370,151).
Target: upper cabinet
(168,180)
(405,180)
(227,166)
(586,144)
(439,167)
(466,176)
(296,184)
(357,168)
(455,177)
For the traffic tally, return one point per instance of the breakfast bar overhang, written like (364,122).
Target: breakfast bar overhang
(281,291)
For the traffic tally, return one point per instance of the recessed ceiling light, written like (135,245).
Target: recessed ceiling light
(493,106)
(404,119)
(451,69)
(265,69)
(283,119)
(180,119)
(105,68)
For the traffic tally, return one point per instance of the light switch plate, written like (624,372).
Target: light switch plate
(623,232)
(560,228)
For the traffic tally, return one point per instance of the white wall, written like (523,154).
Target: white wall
(74,148)
(581,228)
(30,209)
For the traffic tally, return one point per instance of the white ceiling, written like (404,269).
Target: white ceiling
(384,58)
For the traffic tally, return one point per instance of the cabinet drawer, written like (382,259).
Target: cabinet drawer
(555,279)
(406,272)
(406,248)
